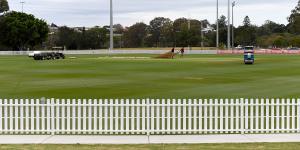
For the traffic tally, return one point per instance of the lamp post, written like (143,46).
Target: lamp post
(111,43)
(202,45)
(22,3)
(228,27)
(217,32)
(189,27)
(233,4)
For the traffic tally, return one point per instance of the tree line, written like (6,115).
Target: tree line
(20,31)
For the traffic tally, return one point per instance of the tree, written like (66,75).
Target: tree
(247,21)
(187,32)
(180,24)
(68,37)
(4,7)
(270,27)
(21,31)
(246,34)
(222,30)
(181,32)
(96,38)
(135,35)
(295,41)
(167,35)
(159,30)
(118,29)
(294,20)
(281,42)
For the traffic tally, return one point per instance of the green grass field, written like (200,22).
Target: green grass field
(121,76)
(256,146)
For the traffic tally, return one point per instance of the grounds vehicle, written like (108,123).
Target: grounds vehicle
(293,48)
(249,55)
(37,55)
(239,47)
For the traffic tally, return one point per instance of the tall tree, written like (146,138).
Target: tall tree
(187,32)
(68,37)
(156,28)
(96,38)
(270,27)
(222,30)
(4,6)
(246,34)
(247,21)
(118,35)
(118,29)
(294,20)
(135,35)
(21,31)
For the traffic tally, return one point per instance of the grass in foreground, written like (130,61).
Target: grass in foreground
(261,146)
(195,76)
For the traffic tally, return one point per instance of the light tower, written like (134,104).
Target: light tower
(228,27)
(22,3)
(111,43)
(233,4)
(217,32)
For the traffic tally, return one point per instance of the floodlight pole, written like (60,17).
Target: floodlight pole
(202,45)
(217,32)
(22,3)
(111,43)
(233,4)
(228,28)
(189,27)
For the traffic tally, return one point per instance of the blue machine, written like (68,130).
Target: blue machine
(249,55)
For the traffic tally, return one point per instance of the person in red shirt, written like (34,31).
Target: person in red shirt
(182,51)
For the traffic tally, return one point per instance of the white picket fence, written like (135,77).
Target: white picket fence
(149,116)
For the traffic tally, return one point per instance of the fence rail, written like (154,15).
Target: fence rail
(149,116)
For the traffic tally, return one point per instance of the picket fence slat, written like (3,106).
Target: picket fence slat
(293,115)
(283,115)
(149,116)
(111,117)
(298,115)
(221,116)
(288,115)
(226,115)
(272,115)
(116,116)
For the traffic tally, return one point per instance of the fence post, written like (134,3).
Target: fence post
(246,117)
(52,117)
(298,115)
(242,116)
(293,115)
(148,116)
(152,121)
(11,106)
(288,115)
(267,118)
(1,120)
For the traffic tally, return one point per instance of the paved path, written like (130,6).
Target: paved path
(81,52)
(188,139)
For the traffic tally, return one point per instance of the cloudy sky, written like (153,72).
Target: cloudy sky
(127,12)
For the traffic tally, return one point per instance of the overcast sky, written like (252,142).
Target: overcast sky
(127,12)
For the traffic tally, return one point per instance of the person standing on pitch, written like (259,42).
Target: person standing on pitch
(173,52)
(182,51)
